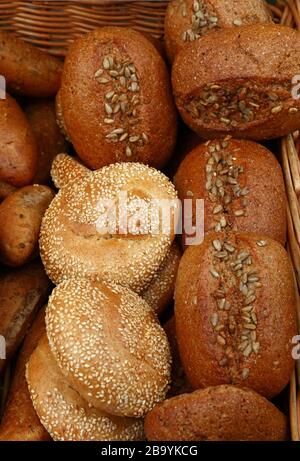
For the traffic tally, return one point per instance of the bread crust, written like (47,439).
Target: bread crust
(121,78)
(232,88)
(216,413)
(250,194)
(27,70)
(20,421)
(182,25)
(18,147)
(240,305)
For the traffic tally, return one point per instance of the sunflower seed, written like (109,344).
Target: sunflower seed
(221,303)
(108,109)
(249,326)
(118,131)
(134,139)
(225,120)
(102,80)
(229,247)
(245,373)
(256,347)
(261,243)
(247,309)
(128,151)
(123,137)
(221,340)
(237,22)
(116,108)
(108,120)
(99,72)
(214,273)
(218,209)
(293,110)
(239,213)
(276,109)
(122,81)
(145,137)
(223,362)
(223,221)
(218,227)
(217,245)
(250,299)
(106,63)
(219,293)
(214,319)
(114,73)
(247,351)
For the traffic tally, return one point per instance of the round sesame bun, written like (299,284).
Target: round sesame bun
(67,169)
(217,413)
(109,345)
(235,294)
(76,242)
(160,292)
(241,183)
(116,99)
(65,415)
(188,20)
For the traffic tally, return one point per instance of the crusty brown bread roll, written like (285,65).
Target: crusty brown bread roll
(116,100)
(224,84)
(50,141)
(179,382)
(75,240)
(217,413)
(235,294)
(18,147)
(64,413)
(22,214)
(20,421)
(27,70)
(159,294)
(65,169)
(241,184)
(109,345)
(22,292)
(189,20)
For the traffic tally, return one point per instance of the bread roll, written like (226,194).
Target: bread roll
(235,294)
(116,99)
(76,240)
(20,421)
(50,141)
(66,169)
(216,414)
(109,345)
(159,294)
(239,81)
(22,214)
(64,413)
(22,292)
(241,184)
(27,70)
(18,148)
(189,20)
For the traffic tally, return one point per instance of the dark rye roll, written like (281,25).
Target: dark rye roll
(189,20)
(116,101)
(235,294)
(241,183)
(224,84)
(217,413)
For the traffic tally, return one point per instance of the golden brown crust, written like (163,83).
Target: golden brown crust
(223,84)
(240,181)
(159,294)
(127,258)
(6,190)
(18,148)
(60,117)
(109,345)
(189,20)
(50,141)
(22,292)
(20,421)
(64,413)
(216,413)
(66,169)
(22,214)
(235,293)
(27,70)
(125,85)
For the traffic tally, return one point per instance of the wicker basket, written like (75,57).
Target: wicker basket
(52,25)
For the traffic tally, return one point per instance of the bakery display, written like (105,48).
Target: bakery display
(241,183)
(235,293)
(246,416)
(151,329)
(129,114)
(232,88)
(187,21)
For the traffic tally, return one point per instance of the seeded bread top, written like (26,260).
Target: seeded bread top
(188,20)
(235,293)
(216,413)
(128,112)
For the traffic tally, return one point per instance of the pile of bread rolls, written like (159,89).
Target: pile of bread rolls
(105,355)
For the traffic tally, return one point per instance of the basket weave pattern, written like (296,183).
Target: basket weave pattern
(53,26)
